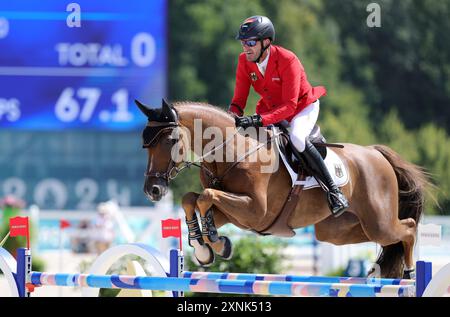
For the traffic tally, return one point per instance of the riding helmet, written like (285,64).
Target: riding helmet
(256,27)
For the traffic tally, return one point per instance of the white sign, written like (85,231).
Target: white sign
(430,234)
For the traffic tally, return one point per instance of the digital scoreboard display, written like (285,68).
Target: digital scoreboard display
(69,74)
(60,72)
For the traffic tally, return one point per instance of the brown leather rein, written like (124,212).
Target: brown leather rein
(173,170)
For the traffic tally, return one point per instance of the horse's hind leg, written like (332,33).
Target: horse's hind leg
(406,231)
(345,229)
(408,246)
(388,234)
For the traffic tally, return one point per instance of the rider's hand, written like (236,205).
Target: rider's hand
(233,114)
(249,121)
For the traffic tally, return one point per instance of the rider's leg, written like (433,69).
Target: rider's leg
(336,199)
(302,125)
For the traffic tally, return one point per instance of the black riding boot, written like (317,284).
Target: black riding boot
(336,199)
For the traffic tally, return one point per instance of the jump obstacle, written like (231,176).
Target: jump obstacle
(169,276)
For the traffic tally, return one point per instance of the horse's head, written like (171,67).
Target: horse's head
(159,138)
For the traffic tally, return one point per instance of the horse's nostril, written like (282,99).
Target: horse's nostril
(156,190)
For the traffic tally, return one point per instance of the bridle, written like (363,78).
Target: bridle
(173,170)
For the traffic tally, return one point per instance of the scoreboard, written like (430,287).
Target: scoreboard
(55,76)
(69,74)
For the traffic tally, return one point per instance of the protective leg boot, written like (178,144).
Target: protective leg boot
(336,199)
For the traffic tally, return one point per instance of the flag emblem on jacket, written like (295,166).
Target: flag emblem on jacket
(253,76)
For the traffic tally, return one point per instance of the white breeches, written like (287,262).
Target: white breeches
(302,125)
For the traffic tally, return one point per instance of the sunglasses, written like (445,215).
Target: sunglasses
(249,43)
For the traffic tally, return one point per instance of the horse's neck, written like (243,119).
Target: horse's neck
(214,130)
(202,122)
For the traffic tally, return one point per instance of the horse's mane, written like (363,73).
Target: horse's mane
(213,110)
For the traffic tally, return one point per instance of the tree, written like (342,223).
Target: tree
(385,85)
(405,63)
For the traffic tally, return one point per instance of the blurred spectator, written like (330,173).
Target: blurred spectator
(80,238)
(103,227)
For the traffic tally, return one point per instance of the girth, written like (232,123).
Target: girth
(279,226)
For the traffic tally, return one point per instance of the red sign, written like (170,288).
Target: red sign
(18,226)
(172,228)
(63,224)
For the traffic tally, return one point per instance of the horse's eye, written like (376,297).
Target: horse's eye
(145,144)
(171,140)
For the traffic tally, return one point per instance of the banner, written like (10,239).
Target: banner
(18,226)
(63,224)
(171,228)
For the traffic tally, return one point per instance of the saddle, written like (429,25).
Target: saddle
(286,147)
(280,227)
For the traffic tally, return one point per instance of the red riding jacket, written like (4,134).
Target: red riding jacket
(284,90)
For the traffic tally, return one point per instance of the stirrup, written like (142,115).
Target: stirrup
(337,203)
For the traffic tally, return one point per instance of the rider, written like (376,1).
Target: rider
(279,78)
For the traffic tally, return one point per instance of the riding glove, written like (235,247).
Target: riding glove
(249,121)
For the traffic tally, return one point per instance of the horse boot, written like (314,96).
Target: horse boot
(221,244)
(194,231)
(336,199)
(202,250)
(208,226)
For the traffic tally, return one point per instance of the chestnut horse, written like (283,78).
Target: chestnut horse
(385,192)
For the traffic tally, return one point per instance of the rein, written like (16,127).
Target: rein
(173,170)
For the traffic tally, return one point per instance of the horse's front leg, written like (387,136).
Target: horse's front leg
(202,251)
(230,204)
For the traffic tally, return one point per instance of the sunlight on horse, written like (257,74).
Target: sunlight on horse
(385,192)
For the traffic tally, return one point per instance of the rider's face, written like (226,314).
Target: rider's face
(252,49)
(251,52)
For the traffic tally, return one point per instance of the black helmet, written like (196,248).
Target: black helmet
(256,27)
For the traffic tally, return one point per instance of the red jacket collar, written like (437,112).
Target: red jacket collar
(273,60)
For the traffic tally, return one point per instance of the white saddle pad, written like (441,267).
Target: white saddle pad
(334,164)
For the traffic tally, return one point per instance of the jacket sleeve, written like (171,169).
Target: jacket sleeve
(241,89)
(290,88)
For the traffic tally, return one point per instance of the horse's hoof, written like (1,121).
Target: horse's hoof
(205,256)
(409,274)
(371,273)
(227,251)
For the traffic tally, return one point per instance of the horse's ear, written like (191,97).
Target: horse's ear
(150,113)
(168,114)
(165,104)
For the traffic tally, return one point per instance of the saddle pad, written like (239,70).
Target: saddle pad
(334,164)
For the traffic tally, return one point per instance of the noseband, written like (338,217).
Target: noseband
(173,170)
(162,128)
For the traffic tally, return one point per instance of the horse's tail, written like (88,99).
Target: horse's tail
(412,181)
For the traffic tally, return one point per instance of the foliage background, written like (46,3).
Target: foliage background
(386,85)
